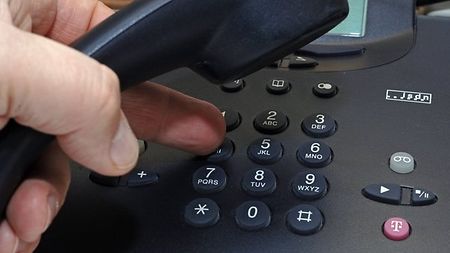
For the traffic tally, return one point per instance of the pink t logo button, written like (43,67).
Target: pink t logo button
(396,229)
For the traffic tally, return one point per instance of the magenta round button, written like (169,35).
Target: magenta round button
(396,229)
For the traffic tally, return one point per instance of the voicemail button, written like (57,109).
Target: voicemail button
(402,163)
(385,193)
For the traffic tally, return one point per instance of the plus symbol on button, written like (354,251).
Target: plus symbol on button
(142,174)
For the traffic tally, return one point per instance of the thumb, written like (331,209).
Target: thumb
(57,90)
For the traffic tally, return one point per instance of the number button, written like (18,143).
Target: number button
(232,119)
(201,213)
(304,220)
(271,122)
(253,215)
(265,151)
(310,186)
(259,182)
(222,153)
(209,179)
(319,125)
(315,154)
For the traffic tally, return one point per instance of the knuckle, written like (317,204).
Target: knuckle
(107,93)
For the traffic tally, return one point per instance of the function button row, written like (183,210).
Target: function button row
(265,151)
(319,125)
(393,193)
(209,179)
(253,216)
(271,122)
(310,186)
(259,182)
(315,154)
(282,86)
(135,178)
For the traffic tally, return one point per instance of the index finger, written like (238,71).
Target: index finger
(66,20)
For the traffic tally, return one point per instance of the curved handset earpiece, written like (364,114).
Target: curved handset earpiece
(222,40)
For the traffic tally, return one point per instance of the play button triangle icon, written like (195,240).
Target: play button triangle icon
(384,189)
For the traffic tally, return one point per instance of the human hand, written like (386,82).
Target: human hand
(54,89)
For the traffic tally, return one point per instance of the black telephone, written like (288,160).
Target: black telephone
(213,49)
(340,147)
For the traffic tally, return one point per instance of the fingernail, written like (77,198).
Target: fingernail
(53,206)
(124,148)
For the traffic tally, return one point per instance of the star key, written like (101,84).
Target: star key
(201,209)
(201,212)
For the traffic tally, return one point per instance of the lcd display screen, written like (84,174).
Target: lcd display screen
(355,23)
